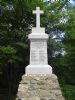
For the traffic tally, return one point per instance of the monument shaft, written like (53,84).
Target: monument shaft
(38,52)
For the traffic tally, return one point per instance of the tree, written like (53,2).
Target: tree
(70,46)
(64,65)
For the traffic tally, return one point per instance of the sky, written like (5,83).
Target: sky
(71,1)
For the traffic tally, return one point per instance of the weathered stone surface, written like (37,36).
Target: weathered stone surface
(39,87)
(32,98)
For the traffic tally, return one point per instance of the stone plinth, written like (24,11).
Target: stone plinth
(39,87)
(39,69)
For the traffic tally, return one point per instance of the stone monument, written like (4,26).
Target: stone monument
(38,48)
(39,83)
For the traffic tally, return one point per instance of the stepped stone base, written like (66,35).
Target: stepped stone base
(39,87)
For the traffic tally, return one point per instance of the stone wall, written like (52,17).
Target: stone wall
(39,87)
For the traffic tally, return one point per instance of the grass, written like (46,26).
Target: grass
(68,91)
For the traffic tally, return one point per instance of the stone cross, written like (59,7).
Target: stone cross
(38,12)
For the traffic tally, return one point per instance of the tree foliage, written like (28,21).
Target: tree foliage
(64,66)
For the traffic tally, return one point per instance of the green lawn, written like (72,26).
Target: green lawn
(68,91)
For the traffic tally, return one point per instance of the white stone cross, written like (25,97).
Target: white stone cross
(38,12)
